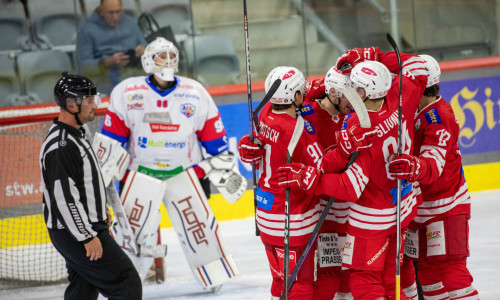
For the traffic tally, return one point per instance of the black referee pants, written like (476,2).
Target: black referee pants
(113,275)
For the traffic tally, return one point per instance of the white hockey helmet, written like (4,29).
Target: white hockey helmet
(433,70)
(373,77)
(335,82)
(292,80)
(161,58)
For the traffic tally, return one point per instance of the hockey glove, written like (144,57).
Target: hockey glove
(352,57)
(355,138)
(297,175)
(407,167)
(250,152)
(315,90)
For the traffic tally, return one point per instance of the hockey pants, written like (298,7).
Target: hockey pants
(113,275)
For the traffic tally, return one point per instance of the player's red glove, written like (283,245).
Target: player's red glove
(355,138)
(297,175)
(407,167)
(315,90)
(250,152)
(352,57)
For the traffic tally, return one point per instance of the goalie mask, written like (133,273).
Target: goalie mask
(292,81)
(75,87)
(433,70)
(373,77)
(161,58)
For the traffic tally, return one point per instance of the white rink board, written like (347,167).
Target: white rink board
(255,279)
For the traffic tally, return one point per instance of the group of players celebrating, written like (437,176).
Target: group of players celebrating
(354,255)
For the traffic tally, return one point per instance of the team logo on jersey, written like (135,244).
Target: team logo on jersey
(433,117)
(309,127)
(188,109)
(417,124)
(306,110)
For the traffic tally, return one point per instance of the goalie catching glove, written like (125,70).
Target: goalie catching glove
(408,167)
(355,138)
(297,175)
(250,152)
(221,171)
(352,57)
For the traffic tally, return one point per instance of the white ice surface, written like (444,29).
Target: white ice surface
(254,279)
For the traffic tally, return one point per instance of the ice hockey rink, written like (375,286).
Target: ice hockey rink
(254,279)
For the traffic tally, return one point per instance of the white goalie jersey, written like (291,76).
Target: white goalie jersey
(163,130)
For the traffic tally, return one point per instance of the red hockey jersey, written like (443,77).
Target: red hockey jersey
(276,129)
(444,189)
(367,182)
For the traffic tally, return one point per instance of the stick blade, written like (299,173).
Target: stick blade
(297,132)
(359,106)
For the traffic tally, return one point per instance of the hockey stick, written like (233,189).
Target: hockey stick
(297,132)
(400,133)
(315,231)
(250,109)
(255,115)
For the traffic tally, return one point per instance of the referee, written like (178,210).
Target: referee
(74,201)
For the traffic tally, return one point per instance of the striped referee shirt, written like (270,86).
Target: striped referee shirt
(74,193)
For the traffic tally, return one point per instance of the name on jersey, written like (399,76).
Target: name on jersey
(268,132)
(145,142)
(385,126)
(186,95)
(432,116)
(136,88)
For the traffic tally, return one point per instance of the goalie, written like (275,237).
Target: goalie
(164,121)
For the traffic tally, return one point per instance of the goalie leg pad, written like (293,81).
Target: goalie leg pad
(198,230)
(141,198)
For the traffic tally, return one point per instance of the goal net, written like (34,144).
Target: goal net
(27,256)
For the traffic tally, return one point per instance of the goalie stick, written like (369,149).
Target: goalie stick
(297,132)
(398,206)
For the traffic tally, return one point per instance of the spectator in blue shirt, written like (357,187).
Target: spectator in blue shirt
(109,44)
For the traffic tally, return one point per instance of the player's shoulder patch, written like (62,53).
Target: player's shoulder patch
(308,126)
(306,110)
(432,116)
(344,123)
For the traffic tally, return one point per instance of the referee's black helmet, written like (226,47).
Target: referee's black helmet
(73,86)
